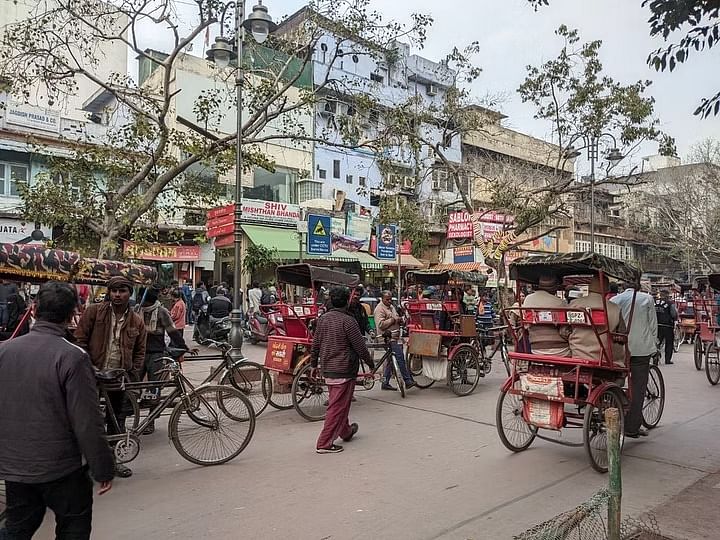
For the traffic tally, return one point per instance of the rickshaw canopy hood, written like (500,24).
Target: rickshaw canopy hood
(306,275)
(34,262)
(714,281)
(529,269)
(429,277)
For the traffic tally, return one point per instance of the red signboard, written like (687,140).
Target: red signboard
(161,252)
(221,211)
(279,354)
(459,225)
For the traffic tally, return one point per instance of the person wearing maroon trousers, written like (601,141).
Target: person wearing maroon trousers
(338,346)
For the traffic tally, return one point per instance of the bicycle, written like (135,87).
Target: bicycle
(310,393)
(499,345)
(209,425)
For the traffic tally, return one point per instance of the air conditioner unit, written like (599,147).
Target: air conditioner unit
(431,90)
(328,108)
(409,182)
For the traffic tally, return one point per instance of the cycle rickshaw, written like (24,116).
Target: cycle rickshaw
(712,350)
(706,312)
(443,339)
(547,392)
(287,355)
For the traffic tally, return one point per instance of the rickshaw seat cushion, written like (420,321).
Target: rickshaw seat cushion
(295,328)
(564,360)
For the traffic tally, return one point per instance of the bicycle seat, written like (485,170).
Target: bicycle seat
(174,352)
(110,375)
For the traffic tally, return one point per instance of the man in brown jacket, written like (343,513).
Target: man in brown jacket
(114,337)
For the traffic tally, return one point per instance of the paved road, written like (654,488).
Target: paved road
(426,467)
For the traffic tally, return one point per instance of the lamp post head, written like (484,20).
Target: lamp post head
(221,52)
(615,156)
(259,23)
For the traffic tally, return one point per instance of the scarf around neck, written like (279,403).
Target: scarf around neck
(153,310)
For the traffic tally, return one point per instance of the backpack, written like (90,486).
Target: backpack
(198,300)
(662,311)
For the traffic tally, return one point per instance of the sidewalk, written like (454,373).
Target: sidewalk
(693,513)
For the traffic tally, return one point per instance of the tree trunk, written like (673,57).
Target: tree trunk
(109,248)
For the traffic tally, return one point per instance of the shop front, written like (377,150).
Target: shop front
(172,261)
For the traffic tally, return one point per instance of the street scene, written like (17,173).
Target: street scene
(333,269)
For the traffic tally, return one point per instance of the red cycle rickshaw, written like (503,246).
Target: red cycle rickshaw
(712,349)
(555,392)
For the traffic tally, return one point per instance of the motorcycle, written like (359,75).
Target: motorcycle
(261,325)
(216,330)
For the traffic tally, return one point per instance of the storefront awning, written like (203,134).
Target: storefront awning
(284,241)
(463,267)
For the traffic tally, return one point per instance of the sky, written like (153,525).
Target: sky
(513,35)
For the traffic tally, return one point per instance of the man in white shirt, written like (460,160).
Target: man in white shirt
(642,342)
(546,338)
(254,296)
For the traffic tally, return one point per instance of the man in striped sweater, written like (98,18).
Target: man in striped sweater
(338,346)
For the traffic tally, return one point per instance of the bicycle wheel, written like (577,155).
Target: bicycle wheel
(515,434)
(212,425)
(654,398)
(464,370)
(595,431)
(398,377)
(712,364)
(310,394)
(698,352)
(415,365)
(504,357)
(677,338)
(253,380)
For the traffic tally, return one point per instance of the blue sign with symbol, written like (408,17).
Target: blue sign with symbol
(319,239)
(387,242)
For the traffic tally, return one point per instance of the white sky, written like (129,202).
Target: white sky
(512,35)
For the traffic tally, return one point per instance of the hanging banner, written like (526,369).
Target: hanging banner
(359,227)
(386,242)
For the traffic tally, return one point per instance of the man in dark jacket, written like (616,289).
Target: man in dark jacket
(356,309)
(338,347)
(666,314)
(42,447)
(114,337)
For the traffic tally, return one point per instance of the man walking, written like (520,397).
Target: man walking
(387,319)
(114,337)
(338,346)
(666,316)
(642,343)
(7,289)
(50,424)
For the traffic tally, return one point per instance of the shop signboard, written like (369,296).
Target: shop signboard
(387,242)
(319,238)
(16,231)
(460,224)
(464,254)
(21,114)
(160,252)
(255,211)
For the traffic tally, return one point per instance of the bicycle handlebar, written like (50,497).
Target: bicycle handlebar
(217,344)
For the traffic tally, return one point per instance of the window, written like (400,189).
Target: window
(336,168)
(278,186)
(10,174)
(322,174)
(307,190)
(73,183)
(362,181)
(377,78)
(349,178)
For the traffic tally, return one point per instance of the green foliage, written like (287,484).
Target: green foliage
(414,224)
(256,258)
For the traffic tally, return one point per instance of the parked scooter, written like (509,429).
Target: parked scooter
(261,325)
(217,330)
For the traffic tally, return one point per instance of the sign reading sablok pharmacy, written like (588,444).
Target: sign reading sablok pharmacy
(319,240)
(386,242)
(20,114)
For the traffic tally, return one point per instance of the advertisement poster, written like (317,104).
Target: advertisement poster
(386,242)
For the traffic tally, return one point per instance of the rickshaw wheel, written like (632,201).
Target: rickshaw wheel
(310,394)
(654,398)
(281,400)
(415,365)
(254,381)
(698,353)
(515,434)
(595,430)
(677,338)
(712,364)
(464,370)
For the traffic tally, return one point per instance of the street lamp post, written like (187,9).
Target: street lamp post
(260,25)
(592,143)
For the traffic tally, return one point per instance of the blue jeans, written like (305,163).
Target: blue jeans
(397,350)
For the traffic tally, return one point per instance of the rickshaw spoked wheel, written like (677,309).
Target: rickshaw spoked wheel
(415,365)
(464,370)
(310,394)
(595,430)
(515,434)
(281,400)
(698,352)
(654,402)
(712,364)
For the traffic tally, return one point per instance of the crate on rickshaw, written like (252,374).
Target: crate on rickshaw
(552,392)
(443,342)
(287,355)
